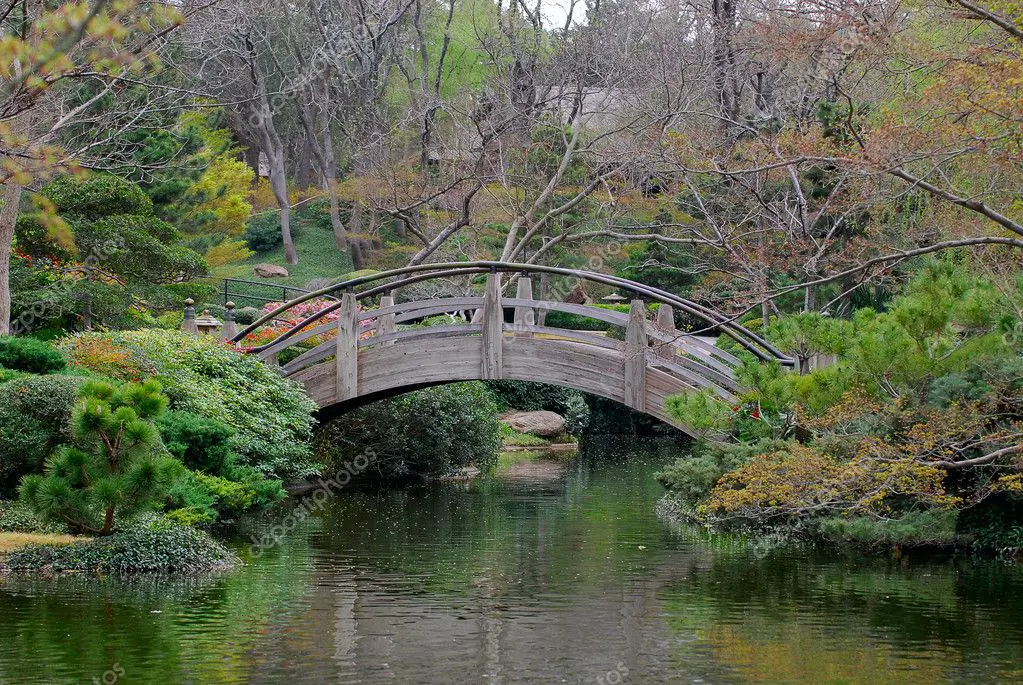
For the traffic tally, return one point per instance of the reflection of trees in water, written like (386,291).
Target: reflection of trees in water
(800,618)
(160,629)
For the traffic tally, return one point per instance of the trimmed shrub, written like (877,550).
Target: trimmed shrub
(263,232)
(577,322)
(35,417)
(247,315)
(271,416)
(29,355)
(428,432)
(97,195)
(151,544)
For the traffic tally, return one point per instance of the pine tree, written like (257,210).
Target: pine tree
(118,466)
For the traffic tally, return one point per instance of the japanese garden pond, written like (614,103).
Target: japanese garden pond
(548,572)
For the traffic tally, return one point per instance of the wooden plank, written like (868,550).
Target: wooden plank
(408,311)
(347,354)
(605,315)
(493,329)
(524,316)
(635,357)
(581,337)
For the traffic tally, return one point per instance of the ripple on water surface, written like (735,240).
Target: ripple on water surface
(552,575)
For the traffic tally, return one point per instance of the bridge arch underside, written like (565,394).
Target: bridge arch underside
(387,370)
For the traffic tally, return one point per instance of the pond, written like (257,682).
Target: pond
(550,572)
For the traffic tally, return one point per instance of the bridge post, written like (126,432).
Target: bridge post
(347,355)
(665,322)
(635,357)
(524,316)
(493,330)
(385,322)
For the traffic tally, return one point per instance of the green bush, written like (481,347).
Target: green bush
(8,375)
(16,517)
(529,396)
(151,544)
(247,315)
(201,443)
(201,499)
(35,417)
(428,432)
(222,488)
(271,416)
(97,195)
(511,437)
(263,232)
(577,414)
(692,477)
(29,355)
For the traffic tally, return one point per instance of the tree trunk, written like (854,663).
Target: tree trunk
(108,521)
(273,148)
(358,262)
(356,221)
(330,178)
(322,147)
(11,198)
(809,301)
(279,184)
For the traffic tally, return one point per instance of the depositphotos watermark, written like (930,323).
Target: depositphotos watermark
(50,302)
(110,676)
(314,501)
(615,676)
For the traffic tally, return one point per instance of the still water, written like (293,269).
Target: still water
(551,572)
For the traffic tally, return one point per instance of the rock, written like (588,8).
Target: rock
(543,424)
(578,295)
(269,271)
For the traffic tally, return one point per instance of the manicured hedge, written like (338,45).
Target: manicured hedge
(29,355)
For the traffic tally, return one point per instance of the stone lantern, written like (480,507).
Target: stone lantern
(207,323)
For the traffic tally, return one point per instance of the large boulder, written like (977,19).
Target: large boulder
(269,271)
(543,424)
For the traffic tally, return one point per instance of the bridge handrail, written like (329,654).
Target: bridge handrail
(749,340)
(708,355)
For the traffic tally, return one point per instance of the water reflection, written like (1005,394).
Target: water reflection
(554,572)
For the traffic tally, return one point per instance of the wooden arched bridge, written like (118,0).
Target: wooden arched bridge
(373,356)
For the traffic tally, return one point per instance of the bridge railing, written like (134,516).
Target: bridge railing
(644,349)
(384,283)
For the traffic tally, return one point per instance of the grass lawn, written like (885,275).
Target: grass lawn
(318,257)
(512,438)
(12,541)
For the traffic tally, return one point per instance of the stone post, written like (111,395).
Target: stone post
(230,328)
(188,323)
